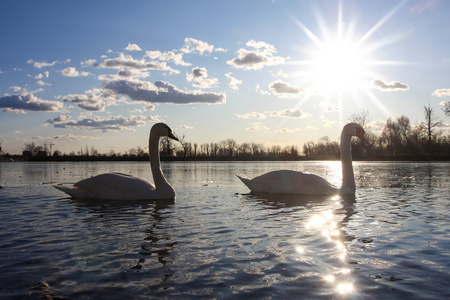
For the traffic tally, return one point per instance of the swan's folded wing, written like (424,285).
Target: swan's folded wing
(291,182)
(115,186)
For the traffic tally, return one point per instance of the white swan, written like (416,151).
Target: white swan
(118,186)
(299,183)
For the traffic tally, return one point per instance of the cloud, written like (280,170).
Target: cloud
(233,82)
(390,86)
(104,124)
(91,100)
(288,130)
(42,75)
(252,115)
(329,107)
(329,122)
(132,47)
(441,93)
(257,127)
(200,78)
(21,103)
(72,72)
(285,90)
(290,113)
(15,88)
(149,107)
(261,91)
(126,61)
(161,92)
(176,58)
(71,138)
(42,83)
(186,127)
(195,46)
(41,64)
(256,59)
(88,63)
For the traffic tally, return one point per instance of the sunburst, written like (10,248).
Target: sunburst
(339,61)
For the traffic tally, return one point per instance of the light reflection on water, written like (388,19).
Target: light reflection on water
(216,240)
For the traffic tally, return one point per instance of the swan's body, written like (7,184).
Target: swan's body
(300,183)
(118,186)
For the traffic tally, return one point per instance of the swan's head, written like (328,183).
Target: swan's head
(354,129)
(161,130)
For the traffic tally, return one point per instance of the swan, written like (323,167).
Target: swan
(302,183)
(119,186)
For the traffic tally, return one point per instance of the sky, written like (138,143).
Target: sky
(101,73)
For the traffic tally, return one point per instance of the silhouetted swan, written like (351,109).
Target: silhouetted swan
(293,182)
(118,186)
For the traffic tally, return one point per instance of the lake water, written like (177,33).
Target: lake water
(390,241)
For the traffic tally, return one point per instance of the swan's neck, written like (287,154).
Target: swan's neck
(348,178)
(161,183)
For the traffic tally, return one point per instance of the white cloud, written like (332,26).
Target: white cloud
(290,113)
(280,73)
(329,107)
(132,47)
(257,127)
(42,75)
(127,61)
(16,88)
(104,124)
(176,58)
(92,100)
(41,64)
(162,92)
(252,115)
(192,45)
(42,83)
(288,130)
(186,127)
(28,102)
(329,122)
(233,82)
(285,90)
(390,85)
(441,92)
(200,78)
(256,59)
(72,72)
(88,63)
(260,91)
(149,107)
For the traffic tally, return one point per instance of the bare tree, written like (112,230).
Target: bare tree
(430,123)
(362,118)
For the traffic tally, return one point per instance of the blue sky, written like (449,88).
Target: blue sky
(101,73)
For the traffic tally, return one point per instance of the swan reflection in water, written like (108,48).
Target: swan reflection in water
(126,219)
(330,225)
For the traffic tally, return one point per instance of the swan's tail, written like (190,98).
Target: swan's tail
(244,179)
(74,192)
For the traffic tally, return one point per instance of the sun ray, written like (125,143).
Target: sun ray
(341,62)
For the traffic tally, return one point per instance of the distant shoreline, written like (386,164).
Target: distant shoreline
(393,158)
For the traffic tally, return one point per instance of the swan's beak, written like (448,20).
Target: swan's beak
(360,134)
(172,136)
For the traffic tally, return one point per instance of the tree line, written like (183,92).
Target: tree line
(399,138)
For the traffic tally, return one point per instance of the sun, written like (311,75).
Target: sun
(340,58)
(339,66)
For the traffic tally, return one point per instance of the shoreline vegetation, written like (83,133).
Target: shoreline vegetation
(399,141)
(83,158)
